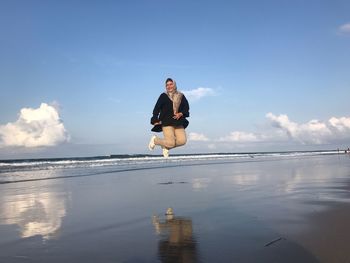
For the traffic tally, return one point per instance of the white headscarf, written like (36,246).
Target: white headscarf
(176,97)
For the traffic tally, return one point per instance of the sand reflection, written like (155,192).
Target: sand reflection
(200,183)
(177,243)
(34,213)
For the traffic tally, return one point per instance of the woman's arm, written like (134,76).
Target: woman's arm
(185,107)
(156,111)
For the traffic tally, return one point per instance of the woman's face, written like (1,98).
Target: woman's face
(170,86)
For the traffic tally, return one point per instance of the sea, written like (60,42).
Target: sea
(24,170)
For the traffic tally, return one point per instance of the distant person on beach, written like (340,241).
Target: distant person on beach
(169,116)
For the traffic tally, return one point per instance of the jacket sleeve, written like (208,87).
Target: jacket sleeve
(185,107)
(156,110)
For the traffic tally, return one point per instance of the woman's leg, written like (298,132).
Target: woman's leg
(180,137)
(169,138)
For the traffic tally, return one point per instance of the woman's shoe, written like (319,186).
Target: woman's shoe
(152,144)
(165,152)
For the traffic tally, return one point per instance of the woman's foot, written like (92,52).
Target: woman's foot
(165,152)
(152,144)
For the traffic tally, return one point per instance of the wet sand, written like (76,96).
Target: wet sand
(288,210)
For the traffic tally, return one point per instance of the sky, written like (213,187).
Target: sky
(80,78)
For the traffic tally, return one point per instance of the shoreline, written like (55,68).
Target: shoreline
(141,155)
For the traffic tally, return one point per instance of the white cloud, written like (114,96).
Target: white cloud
(193,136)
(314,131)
(240,137)
(344,29)
(341,124)
(34,128)
(282,130)
(198,93)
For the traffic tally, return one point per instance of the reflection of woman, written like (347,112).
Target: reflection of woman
(169,116)
(177,243)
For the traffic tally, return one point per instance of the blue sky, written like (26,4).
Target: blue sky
(260,75)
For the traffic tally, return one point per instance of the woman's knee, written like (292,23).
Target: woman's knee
(181,141)
(170,144)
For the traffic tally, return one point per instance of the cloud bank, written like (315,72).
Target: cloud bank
(282,130)
(198,93)
(239,136)
(314,131)
(199,137)
(34,128)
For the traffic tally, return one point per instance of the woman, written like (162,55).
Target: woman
(169,116)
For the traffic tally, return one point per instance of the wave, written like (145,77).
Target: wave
(26,170)
(139,159)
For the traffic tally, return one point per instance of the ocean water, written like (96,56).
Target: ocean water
(21,170)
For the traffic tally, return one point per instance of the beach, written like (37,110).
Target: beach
(291,209)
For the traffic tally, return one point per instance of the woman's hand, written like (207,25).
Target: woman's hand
(178,115)
(157,123)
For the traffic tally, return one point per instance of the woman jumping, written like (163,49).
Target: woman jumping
(169,116)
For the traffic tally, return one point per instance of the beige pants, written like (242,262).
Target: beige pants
(173,137)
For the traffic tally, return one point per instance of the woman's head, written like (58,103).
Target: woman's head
(170,85)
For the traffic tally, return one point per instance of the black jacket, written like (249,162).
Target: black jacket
(163,111)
